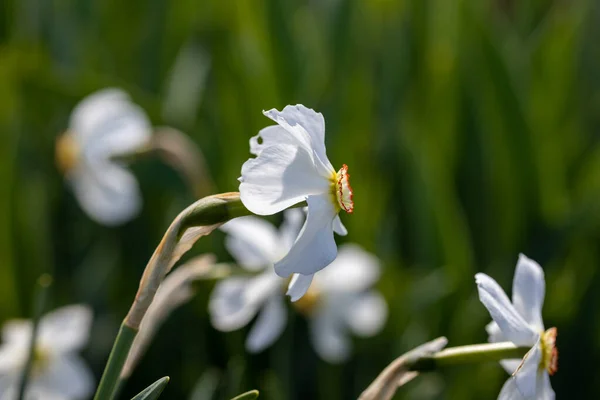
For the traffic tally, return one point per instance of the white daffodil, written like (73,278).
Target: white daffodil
(340,301)
(256,245)
(57,372)
(104,125)
(291,166)
(521,322)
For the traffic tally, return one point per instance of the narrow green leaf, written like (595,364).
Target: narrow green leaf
(251,395)
(153,391)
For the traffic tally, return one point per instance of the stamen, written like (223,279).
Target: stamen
(67,152)
(549,351)
(307,304)
(344,193)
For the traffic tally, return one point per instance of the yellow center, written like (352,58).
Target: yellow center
(341,190)
(67,152)
(549,351)
(41,359)
(308,303)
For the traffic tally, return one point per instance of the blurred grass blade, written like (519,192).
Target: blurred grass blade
(252,394)
(207,385)
(41,295)
(153,391)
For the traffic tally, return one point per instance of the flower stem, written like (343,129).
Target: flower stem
(200,218)
(471,354)
(41,294)
(117,357)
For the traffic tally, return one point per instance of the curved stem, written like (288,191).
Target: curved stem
(198,220)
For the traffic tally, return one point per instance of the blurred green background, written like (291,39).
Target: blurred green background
(470,127)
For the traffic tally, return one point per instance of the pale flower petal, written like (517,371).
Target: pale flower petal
(527,375)
(107,192)
(107,123)
(512,325)
(544,389)
(353,270)
(366,315)
(228,306)
(252,241)
(235,301)
(329,335)
(495,336)
(315,247)
(309,127)
(281,176)
(268,326)
(67,375)
(298,286)
(293,219)
(510,391)
(65,329)
(529,289)
(338,227)
(271,136)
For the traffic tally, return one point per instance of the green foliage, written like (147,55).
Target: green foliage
(470,127)
(250,395)
(153,391)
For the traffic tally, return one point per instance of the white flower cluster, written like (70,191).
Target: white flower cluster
(289,172)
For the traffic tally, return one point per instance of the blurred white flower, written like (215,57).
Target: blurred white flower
(292,166)
(340,301)
(104,125)
(57,370)
(256,245)
(337,303)
(521,322)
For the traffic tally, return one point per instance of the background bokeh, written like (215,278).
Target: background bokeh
(470,127)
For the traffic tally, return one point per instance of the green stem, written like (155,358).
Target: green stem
(41,294)
(471,354)
(120,350)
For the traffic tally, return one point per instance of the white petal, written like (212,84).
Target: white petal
(13,357)
(529,288)
(298,286)
(354,270)
(107,123)
(252,241)
(228,306)
(329,336)
(512,325)
(338,227)
(307,125)
(67,375)
(526,376)
(367,314)
(235,301)
(108,193)
(495,335)
(544,389)
(66,329)
(510,392)
(281,176)
(315,247)
(273,135)
(268,326)
(293,219)
(16,331)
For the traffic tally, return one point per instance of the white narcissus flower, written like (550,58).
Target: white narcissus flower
(521,322)
(339,300)
(57,372)
(104,125)
(291,166)
(256,245)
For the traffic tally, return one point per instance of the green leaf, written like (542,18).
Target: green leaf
(153,391)
(251,395)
